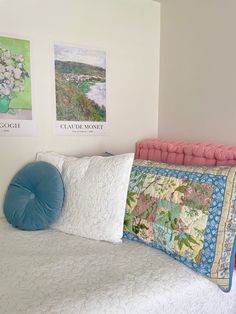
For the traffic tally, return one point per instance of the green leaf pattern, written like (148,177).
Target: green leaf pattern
(170,211)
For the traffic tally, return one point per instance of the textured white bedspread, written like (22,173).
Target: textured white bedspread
(51,272)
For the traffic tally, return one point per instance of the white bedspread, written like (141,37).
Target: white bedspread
(51,272)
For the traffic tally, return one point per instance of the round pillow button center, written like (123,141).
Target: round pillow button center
(32,196)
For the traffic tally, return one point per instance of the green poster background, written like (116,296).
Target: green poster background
(22,100)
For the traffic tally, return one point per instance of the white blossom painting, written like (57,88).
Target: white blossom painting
(15,87)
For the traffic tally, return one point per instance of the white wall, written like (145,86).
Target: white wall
(198,70)
(128,30)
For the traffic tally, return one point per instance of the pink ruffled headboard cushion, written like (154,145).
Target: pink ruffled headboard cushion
(186,153)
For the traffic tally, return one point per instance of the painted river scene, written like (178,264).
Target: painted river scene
(80,79)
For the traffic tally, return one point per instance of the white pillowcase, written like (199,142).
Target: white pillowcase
(95,196)
(53,158)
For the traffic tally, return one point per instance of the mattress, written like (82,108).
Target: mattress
(52,272)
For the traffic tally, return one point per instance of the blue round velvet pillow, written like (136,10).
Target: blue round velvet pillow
(34,197)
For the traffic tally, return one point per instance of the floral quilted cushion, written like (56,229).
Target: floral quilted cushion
(188,212)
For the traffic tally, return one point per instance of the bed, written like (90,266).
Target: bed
(52,272)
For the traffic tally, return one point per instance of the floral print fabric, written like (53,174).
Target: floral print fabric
(180,210)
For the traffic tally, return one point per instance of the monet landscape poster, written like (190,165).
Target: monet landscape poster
(80,90)
(15,87)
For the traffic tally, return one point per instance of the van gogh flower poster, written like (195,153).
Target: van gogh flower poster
(80,90)
(15,87)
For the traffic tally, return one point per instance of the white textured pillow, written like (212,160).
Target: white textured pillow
(95,196)
(53,158)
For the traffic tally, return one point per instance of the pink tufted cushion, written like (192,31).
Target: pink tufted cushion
(186,153)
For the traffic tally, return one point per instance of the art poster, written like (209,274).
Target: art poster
(16,117)
(80,90)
